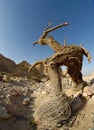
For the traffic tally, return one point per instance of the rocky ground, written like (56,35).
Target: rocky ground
(21,97)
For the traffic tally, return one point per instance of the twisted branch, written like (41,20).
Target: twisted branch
(47,30)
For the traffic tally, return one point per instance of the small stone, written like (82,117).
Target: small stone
(61,129)
(14,93)
(59,125)
(77,103)
(26,101)
(93,97)
(44,92)
(73,91)
(88,91)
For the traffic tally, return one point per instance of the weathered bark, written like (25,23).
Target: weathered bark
(69,56)
(55,78)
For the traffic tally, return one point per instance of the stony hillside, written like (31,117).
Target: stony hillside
(6,64)
(21,69)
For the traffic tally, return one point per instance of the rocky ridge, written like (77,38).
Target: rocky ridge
(8,66)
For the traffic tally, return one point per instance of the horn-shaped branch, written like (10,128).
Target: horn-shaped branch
(49,25)
(58,26)
(47,30)
(34,43)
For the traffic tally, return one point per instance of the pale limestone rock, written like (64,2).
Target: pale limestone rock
(88,91)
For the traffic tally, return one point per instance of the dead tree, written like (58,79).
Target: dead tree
(71,56)
(57,108)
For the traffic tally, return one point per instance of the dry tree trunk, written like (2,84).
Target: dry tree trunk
(55,77)
(57,108)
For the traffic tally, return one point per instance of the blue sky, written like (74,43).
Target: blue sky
(22,23)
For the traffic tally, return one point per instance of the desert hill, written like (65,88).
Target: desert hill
(21,69)
(6,64)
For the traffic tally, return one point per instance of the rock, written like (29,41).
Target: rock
(14,92)
(73,92)
(1,77)
(44,93)
(77,103)
(26,101)
(93,97)
(3,113)
(88,91)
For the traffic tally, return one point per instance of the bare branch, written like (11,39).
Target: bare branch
(65,41)
(35,43)
(32,66)
(58,26)
(49,25)
(51,29)
(47,30)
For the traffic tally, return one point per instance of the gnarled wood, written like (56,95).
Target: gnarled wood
(43,40)
(58,109)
